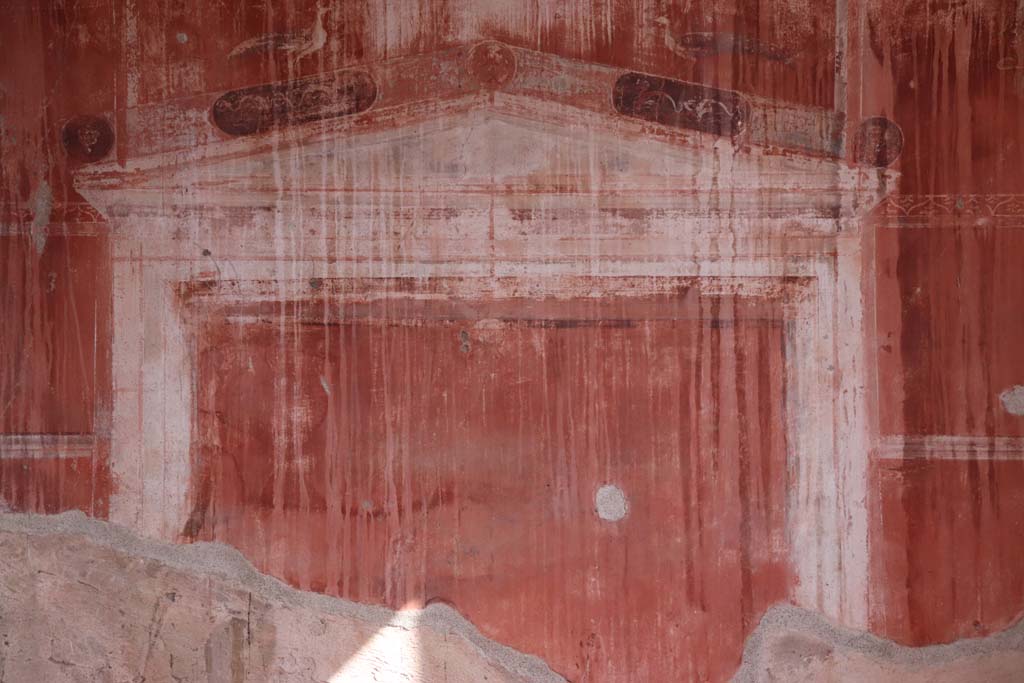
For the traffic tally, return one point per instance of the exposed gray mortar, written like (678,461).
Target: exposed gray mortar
(789,618)
(230,565)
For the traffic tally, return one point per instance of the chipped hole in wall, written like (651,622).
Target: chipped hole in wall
(464,341)
(1013,400)
(610,503)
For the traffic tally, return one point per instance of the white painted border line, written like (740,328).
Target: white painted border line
(950,447)
(26,446)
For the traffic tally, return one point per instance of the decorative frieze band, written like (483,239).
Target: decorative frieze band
(952,210)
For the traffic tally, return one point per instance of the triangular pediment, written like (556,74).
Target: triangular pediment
(489,150)
(487,122)
(483,152)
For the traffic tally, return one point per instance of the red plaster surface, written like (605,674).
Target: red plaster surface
(54,367)
(50,305)
(948,563)
(966,285)
(400,462)
(49,485)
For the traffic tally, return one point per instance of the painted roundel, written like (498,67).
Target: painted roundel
(492,64)
(87,138)
(879,142)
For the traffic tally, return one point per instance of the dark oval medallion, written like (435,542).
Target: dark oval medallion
(87,138)
(879,142)
(681,105)
(263,107)
(492,64)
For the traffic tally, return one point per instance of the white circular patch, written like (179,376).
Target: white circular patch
(1013,400)
(610,503)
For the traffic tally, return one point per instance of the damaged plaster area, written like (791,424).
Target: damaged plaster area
(42,209)
(791,644)
(83,600)
(1013,400)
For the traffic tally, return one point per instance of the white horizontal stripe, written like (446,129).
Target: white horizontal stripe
(950,447)
(17,446)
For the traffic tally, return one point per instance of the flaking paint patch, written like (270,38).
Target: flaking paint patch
(42,208)
(1013,400)
(611,503)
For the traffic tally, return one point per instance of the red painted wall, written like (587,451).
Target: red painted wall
(947,307)
(950,322)
(496,432)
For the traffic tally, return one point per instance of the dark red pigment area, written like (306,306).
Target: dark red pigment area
(54,371)
(949,541)
(949,313)
(401,460)
(54,305)
(50,485)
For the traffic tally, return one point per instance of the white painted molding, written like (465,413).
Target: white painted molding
(950,447)
(37,446)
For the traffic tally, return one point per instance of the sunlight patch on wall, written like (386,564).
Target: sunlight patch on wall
(393,653)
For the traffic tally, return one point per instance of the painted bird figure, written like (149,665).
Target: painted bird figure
(670,39)
(704,44)
(297,44)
